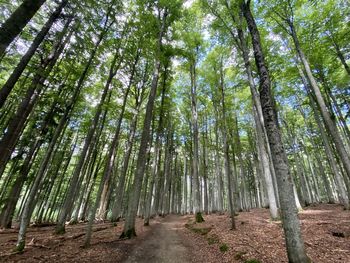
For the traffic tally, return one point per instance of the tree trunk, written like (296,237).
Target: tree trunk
(69,200)
(195,160)
(17,72)
(17,123)
(109,163)
(157,150)
(205,170)
(328,121)
(134,195)
(13,26)
(291,225)
(228,170)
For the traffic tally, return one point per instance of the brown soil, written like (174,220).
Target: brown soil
(326,230)
(163,243)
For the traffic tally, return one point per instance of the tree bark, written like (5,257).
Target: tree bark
(69,200)
(291,225)
(228,170)
(134,195)
(328,121)
(17,123)
(17,72)
(13,26)
(109,163)
(195,160)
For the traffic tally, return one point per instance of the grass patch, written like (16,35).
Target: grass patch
(223,247)
(213,240)
(201,231)
(199,217)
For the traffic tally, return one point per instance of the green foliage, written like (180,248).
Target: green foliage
(224,247)
(199,217)
(213,239)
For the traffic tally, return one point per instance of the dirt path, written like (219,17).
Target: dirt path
(163,244)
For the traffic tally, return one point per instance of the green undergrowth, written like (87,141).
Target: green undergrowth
(204,231)
(240,256)
(214,239)
(198,230)
(199,217)
(223,247)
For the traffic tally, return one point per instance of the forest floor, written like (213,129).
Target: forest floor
(326,231)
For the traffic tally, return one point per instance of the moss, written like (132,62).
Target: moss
(20,246)
(223,247)
(199,217)
(128,234)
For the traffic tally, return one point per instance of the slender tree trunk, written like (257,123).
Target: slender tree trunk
(167,171)
(228,170)
(69,200)
(218,170)
(17,72)
(13,26)
(134,195)
(291,224)
(155,166)
(195,160)
(17,123)
(343,197)
(328,121)
(109,164)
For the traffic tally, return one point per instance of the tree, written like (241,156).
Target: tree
(11,28)
(291,225)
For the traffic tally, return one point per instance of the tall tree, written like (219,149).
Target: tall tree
(13,26)
(295,245)
(17,72)
(166,14)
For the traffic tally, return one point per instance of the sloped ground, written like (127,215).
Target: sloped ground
(326,230)
(44,246)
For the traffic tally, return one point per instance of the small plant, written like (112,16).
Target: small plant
(201,231)
(213,240)
(199,217)
(239,255)
(223,247)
